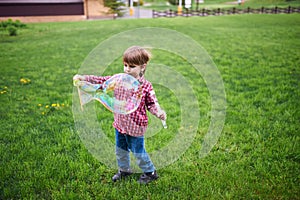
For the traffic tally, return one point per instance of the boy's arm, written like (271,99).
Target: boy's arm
(96,79)
(91,78)
(153,106)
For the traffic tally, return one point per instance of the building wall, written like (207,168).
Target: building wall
(41,7)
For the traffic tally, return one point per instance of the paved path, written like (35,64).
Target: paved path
(138,13)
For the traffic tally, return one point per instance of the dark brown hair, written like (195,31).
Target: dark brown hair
(136,55)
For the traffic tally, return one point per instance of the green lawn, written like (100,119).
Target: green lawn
(256,156)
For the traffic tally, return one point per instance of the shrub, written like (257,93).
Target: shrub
(12,30)
(11,26)
(135,3)
(175,2)
(115,6)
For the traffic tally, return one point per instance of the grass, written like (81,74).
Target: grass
(256,157)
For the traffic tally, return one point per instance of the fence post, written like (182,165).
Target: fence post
(248,10)
(289,10)
(276,10)
(187,12)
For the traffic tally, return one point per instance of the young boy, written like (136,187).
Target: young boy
(130,128)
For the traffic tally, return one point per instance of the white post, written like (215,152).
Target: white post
(188,4)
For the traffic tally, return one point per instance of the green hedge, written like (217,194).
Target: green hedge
(11,26)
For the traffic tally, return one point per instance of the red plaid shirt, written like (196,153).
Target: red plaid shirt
(135,123)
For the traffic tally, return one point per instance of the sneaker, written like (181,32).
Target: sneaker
(120,175)
(146,178)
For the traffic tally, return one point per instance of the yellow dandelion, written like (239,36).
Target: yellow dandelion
(54,105)
(62,105)
(47,106)
(39,105)
(24,80)
(43,113)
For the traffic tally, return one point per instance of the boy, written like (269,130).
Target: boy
(130,129)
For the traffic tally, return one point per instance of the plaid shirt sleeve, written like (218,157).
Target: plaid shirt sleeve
(96,79)
(152,102)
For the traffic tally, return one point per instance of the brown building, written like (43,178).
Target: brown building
(52,10)
(41,7)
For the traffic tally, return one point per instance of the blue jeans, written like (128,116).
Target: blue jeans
(125,144)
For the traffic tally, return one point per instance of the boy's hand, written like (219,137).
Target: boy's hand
(78,77)
(162,115)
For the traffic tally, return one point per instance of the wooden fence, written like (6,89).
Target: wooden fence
(216,12)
